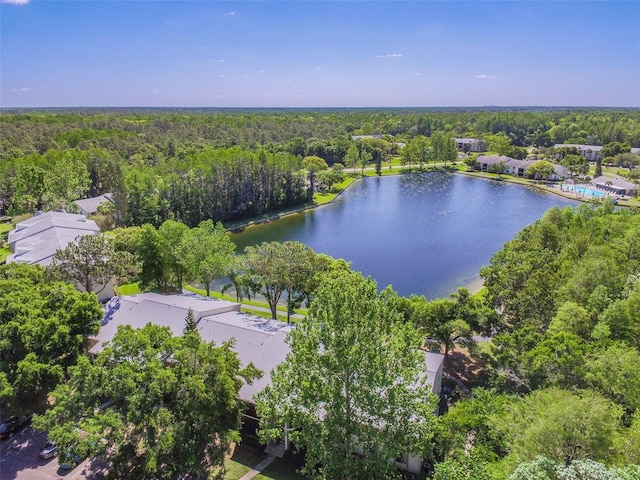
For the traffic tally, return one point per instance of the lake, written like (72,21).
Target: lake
(426,233)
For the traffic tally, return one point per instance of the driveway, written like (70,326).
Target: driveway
(19,460)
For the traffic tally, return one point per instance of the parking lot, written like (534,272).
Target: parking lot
(19,460)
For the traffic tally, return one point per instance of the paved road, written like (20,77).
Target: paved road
(19,460)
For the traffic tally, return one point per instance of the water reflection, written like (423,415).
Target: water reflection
(425,234)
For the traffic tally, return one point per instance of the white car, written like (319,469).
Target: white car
(49,450)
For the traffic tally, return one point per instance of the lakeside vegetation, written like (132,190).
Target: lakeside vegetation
(555,384)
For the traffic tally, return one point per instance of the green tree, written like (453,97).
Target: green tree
(574,163)
(449,321)
(461,468)
(564,426)
(418,150)
(615,373)
(170,235)
(614,148)
(44,327)
(542,468)
(67,178)
(499,144)
(598,170)
(352,383)
(207,252)
(364,156)
(468,427)
(190,323)
(331,176)
(540,170)
(627,160)
(174,406)
(571,318)
(313,164)
(29,188)
(352,157)
(498,168)
(444,148)
(91,262)
(280,268)
(149,255)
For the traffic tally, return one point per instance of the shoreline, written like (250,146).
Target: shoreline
(515,181)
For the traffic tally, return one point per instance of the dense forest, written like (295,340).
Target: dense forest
(562,378)
(194,165)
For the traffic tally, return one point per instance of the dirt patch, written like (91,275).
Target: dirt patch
(469,368)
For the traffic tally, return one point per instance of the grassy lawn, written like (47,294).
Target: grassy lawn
(245,458)
(128,289)
(229,298)
(242,460)
(133,288)
(280,469)
(323,198)
(5,228)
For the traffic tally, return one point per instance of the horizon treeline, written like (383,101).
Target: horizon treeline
(228,165)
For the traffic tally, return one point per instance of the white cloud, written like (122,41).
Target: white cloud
(486,77)
(232,13)
(16,2)
(390,55)
(23,89)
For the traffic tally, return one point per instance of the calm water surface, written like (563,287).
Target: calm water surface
(425,234)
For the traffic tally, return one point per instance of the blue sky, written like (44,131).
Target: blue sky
(319,53)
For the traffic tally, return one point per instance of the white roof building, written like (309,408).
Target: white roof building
(89,206)
(37,239)
(257,340)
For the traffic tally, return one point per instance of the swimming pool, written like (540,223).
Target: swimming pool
(583,190)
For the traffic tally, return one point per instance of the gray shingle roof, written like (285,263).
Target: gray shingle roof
(37,239)
(579,146)
(90,205)
(256,340)
(616,182)
(491,159)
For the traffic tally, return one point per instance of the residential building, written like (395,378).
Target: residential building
(590,152)
(37,239)
(616,185)
(471,145)
(89,206)
(516,168)
(257,340)
(485,162)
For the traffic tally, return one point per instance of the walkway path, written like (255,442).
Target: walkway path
(258,468)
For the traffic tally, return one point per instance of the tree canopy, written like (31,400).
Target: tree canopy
(44,329)
(91,262)
(172,404)
(352,383)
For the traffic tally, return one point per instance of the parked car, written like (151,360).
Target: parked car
(13,425)
(49,450)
